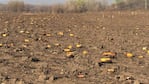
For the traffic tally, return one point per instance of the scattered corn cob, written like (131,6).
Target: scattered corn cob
(1,44)
(26,40)
(69,47)
(70,54)
(111,70)
(140,57)
(21,31)
(111,54)
(71,35)
(129,55)
(60,33)
(48,35)
(80,76)
(144,48)
(4,35)
(48,46)
(57,44)
(105,60)
(148,51)
(67,50)
(85,52)
(78,45)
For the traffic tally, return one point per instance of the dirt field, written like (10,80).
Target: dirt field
(72,48)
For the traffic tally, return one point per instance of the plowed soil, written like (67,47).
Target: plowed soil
(32,48)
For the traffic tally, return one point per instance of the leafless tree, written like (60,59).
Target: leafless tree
(16,6)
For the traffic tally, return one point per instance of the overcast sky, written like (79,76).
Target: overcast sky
(38,2)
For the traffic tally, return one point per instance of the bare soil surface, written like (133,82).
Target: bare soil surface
(33,48)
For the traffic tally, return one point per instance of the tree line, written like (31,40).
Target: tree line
(75,6)
(69,6)
(131,4)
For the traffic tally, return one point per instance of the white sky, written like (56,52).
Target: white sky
(45,1)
